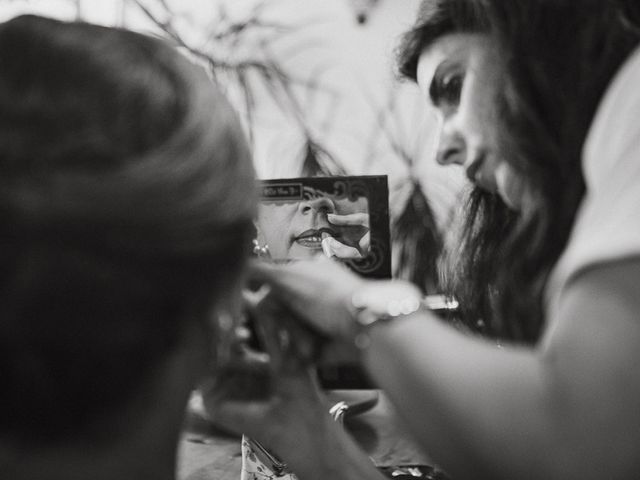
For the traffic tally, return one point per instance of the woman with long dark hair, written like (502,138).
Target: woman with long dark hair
(539,104)
(499,268)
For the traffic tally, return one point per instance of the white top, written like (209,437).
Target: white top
(607,226)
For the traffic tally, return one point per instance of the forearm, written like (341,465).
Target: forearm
(476,408)
(565,410)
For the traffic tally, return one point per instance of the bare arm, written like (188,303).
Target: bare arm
(568,409)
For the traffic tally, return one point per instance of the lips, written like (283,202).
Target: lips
(312,238)
(477,174)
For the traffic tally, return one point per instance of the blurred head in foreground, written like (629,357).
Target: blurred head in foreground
(125,224)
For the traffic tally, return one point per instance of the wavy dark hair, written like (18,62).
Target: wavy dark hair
(126,207)
(559,57)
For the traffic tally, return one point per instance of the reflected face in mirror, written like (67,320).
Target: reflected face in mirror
(461,76)
(295,230)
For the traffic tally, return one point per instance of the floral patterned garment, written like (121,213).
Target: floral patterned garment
(257,466)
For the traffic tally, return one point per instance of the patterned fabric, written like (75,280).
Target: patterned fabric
(256,467)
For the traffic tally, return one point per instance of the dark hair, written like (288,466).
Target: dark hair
(126,202)
(469,267)
(436,18)
(559,58)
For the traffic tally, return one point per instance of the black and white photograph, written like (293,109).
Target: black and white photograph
(345,218)
(319,239)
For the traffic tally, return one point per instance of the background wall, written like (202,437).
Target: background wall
(315,88)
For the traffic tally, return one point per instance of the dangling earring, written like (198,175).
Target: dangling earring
(260,251)
(260,247)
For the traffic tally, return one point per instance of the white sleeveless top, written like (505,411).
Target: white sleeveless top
(607,226)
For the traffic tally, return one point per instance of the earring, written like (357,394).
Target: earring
(261,251)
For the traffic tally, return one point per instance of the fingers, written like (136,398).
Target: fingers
(305,346)
(317,291)
(270,337)
(353,219)
(254,297)
(332,247)
(289,345)
(281,280)
(365,242)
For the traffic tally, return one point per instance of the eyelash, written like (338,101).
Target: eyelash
(448,90)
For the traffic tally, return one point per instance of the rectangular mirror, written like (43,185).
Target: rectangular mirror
(345,218)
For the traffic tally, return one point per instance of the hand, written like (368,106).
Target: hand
(288,406)
(333,248)
(291,419)
(318,291)
(360,222)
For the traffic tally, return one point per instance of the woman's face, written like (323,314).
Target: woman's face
(461,76)
(295,230)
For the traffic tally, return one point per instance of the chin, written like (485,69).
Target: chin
(304,253)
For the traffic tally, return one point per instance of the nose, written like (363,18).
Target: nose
(322,205)
(452,147)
